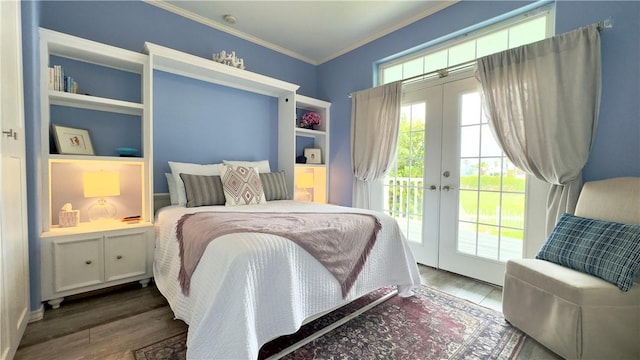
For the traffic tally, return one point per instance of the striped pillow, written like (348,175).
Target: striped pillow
(608,250)
(202,190)
(274,186)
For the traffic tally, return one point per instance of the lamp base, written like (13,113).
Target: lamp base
(102,211)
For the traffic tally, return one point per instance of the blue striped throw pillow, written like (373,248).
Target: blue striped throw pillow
(608,250)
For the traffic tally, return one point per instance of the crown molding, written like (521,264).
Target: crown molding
(232,31)
(389,30)
(229,30)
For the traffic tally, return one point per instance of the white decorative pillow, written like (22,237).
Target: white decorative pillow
(178,168)
(171,183)
(241,185)
(262,165)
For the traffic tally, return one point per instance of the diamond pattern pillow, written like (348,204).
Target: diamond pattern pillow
(242,185)
(608,250)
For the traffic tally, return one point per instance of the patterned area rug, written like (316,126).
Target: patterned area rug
(430,325)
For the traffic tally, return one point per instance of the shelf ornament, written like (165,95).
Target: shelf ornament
(229,59)
(309,120)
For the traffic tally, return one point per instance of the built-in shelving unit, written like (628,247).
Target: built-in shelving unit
(87,255)
(311,179)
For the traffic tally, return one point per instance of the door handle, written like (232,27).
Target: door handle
(447,188)
(433,188)
(10,134)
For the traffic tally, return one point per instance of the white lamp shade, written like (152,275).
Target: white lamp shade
(304,180)
(101,183)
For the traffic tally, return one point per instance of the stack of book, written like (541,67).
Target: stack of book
(58,81)
(131,219)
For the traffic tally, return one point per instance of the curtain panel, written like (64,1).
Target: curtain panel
(375,122)
(542,102)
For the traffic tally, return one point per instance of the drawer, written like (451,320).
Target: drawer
(125,255)
(78,262)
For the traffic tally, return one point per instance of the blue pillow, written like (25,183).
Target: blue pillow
(608,250)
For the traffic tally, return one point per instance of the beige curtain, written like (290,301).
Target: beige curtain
(542,101)
(375,120)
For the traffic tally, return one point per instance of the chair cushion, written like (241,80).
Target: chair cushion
(608,250)
(571,285)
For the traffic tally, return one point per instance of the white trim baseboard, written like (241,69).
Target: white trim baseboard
(37,314)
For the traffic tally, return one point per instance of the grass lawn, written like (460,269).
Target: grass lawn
(486,201)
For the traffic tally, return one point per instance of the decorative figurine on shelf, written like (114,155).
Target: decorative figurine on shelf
(309,120)
(301,159)
(229,59)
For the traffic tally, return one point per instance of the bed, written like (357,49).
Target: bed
(250,288)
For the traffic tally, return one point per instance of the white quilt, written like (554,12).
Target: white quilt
(251,288)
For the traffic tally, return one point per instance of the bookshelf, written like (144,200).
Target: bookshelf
(112,103)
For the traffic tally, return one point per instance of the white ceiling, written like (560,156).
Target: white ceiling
(311,31)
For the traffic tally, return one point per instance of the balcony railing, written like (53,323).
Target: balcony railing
(403,196)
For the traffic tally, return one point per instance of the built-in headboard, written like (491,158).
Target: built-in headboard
(160,200)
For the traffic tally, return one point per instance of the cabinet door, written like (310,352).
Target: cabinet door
(125,255)
(78,262)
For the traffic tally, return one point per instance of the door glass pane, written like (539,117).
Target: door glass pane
(514,178)
(489,208)
(511,243)
(469,173)
(470,141)
(468,206)
(490,174)
(404,188)
(513,213)
(470,112)
(467,235)
(488,245)
(489,146)
(491,197)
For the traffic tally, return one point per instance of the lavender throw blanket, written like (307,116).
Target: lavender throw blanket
(339,241)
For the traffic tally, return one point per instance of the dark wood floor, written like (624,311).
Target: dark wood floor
(110,324)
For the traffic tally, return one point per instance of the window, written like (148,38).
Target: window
(519,30)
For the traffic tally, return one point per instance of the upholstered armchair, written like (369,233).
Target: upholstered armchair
(573,313)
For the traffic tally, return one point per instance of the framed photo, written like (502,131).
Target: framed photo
(72,141)
(313,155)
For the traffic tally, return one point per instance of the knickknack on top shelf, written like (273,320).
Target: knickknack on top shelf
(229,59)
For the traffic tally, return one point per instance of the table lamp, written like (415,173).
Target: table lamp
(101,184)
(304,180)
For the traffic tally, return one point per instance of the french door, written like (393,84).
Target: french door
(459,201)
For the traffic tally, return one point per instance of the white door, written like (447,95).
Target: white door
(14,290)
(483,193)
(458,200)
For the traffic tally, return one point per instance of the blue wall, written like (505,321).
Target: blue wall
(128,24)
(616,147)
(195,121)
